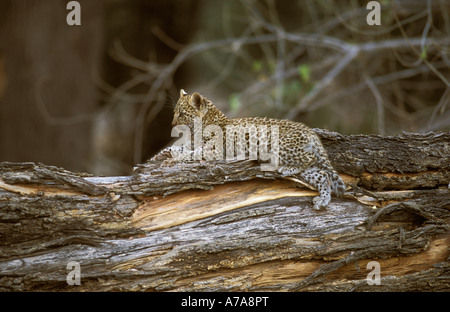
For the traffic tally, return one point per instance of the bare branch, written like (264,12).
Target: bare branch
(379,100)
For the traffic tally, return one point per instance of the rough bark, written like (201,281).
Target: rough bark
(230,227)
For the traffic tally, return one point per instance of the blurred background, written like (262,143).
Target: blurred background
(98,97)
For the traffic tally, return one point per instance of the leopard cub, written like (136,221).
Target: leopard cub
(301,155)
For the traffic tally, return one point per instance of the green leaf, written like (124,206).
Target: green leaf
(423,54)
(292,88)
(235,102)
(304,72)
(257,66)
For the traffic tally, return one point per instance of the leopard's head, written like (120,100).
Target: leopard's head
(190,106)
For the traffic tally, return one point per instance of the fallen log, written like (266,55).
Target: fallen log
(227,226)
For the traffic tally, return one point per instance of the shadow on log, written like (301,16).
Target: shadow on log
(218,226)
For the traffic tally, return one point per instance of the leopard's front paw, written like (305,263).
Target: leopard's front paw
(321,201)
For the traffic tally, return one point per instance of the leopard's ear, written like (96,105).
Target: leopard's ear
(198,102)
(182,93)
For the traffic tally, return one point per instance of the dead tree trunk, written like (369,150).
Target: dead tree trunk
(230,227)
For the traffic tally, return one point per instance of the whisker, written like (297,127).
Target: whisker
(170,103)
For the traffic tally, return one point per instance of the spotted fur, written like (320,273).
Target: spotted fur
(301,153)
